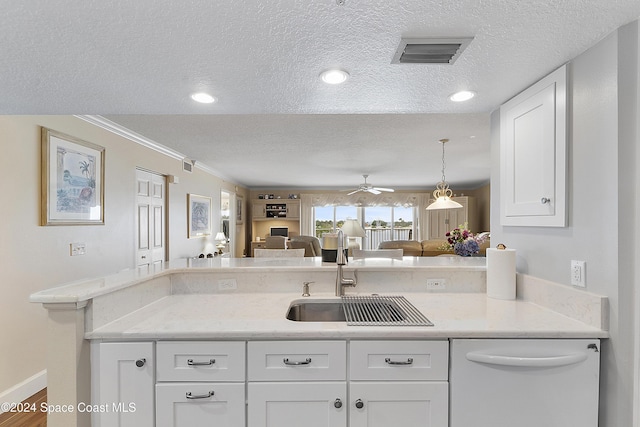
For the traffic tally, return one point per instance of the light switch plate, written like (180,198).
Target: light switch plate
(578,274)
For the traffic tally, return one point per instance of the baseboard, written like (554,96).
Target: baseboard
(24,390)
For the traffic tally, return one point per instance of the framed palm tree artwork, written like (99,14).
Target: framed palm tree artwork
(72,180)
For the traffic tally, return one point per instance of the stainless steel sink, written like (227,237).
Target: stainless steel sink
(317,310)
(372,310)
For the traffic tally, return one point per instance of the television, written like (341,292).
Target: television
(280,231)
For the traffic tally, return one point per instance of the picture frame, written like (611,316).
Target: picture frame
(239,211)
(198,216)
(72,180)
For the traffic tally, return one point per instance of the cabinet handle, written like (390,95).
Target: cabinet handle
(140,362)
(545,200)
(388,361)
(190,362)
(359,404)
(188,395)
(528,362)
(337,404)
(290,363)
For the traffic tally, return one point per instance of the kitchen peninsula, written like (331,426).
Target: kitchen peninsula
(239,302)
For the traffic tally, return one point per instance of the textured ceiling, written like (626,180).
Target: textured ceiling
(137,62)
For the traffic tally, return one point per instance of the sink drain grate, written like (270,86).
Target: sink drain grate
(377,310)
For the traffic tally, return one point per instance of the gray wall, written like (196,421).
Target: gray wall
(602,187)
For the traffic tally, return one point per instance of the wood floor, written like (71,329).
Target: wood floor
(27,418)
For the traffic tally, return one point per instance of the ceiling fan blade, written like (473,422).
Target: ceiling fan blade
(353,192)
(383,189)
(373,191)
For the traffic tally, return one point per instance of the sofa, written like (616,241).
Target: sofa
(425,247)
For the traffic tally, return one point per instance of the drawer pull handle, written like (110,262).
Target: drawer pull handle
(286,361)
(140,362)
(388,361)
(337,404)
(359,404)
(190,362)
(199,396)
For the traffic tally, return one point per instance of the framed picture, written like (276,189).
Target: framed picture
(72,180)
(198,215)
(239,213)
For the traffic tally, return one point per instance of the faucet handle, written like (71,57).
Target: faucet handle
(305,289)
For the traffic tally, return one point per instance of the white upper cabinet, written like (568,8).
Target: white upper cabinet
(533,154)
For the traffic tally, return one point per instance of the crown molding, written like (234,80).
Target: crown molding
(119,130)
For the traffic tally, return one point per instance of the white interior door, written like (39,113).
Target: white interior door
(150,217)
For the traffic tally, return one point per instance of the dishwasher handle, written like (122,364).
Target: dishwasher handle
(530,362)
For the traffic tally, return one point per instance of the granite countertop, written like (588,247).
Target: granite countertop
(262,316)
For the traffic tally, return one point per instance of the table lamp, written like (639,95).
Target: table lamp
(221,239)
(352,229)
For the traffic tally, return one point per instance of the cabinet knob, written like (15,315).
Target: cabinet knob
(140,362)
(337,403)
(359,404)
(545,200)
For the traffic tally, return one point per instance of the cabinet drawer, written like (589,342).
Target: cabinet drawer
(399,360)
(200,361)
(200,404)
(297,360)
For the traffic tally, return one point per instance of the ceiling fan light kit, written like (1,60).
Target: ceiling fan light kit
(443,193)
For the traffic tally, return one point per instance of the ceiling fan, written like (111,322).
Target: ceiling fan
(369,188)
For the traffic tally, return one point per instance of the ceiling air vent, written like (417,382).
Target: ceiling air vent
(187,165)
(430,50)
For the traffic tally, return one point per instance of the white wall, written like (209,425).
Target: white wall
(33,257)
(603,121)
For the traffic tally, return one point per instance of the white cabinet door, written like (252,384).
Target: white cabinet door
(406,404)
(533,154)
(291,404)
(122,381)
(200,404)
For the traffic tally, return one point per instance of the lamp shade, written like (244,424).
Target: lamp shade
(352,228)
(220,236)
(444,202)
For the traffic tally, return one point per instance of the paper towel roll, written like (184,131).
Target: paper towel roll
(501,273)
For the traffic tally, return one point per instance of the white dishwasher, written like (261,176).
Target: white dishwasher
(524,382)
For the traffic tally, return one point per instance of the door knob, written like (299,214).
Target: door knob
(337,403)
(359,404)
(140,362)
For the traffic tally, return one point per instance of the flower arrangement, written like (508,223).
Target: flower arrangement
(463,242)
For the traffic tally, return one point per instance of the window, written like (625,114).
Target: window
(380,222)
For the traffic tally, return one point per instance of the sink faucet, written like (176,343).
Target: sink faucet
(341,260)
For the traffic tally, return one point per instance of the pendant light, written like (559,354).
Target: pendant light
(443,193)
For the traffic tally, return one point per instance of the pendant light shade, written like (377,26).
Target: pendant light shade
(443,193)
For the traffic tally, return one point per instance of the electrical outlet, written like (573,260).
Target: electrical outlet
(435,283)
(77,249)
(578,274)
(227,284)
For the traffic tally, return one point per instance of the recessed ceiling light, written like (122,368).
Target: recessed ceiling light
(463,95)
(334,76)
(203,98)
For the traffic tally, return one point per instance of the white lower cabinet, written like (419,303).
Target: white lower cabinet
(294,404)
(200,384)
(122,384)
(406,404)
(338,383)
(390,383)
